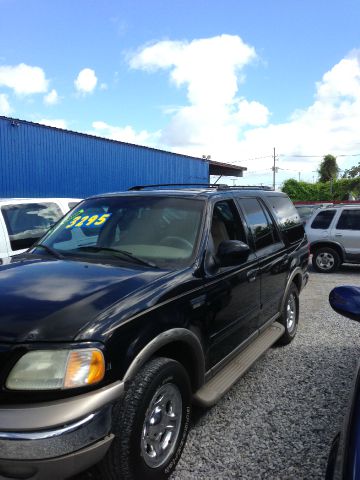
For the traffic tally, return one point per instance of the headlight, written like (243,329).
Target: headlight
(57,369)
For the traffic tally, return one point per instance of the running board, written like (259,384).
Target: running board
(218,385)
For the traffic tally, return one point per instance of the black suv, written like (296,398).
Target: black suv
(133,307)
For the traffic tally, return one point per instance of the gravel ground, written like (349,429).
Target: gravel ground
(279,420)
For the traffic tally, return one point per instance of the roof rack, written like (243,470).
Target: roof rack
(216,186)
(249,187)
(203,185)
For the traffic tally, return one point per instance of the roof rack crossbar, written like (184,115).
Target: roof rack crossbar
(204,185)
(249,187)
(217,186)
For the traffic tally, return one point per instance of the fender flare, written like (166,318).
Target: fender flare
(165,338)
(296,271)
(329,243)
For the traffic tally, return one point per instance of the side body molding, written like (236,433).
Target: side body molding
(178,335)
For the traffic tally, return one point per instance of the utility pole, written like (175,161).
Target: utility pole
(299,176)
(274,169)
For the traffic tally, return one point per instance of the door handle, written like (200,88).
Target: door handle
(251,275)
(338,234)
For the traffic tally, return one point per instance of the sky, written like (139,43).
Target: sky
(230,79)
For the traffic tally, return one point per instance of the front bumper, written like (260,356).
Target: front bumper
(58,439)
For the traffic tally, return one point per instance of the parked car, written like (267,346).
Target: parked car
(344,461)
(131,308)
(306,210)
(24,220)
(334,236)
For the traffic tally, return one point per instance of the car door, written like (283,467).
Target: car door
(347,232)
(232,293)
(272,256)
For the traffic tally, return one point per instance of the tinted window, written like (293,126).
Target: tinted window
(260,227)
(26,223)
(160,230)
(323,219)
(288,218)
(349,220)
(226,224)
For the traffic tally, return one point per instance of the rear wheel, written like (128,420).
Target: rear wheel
(325,260)
(150,425)
(290,316)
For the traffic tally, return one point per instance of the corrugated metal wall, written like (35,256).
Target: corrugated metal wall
(41,161)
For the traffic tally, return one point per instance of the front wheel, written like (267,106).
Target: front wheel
(290,316)
(150,425)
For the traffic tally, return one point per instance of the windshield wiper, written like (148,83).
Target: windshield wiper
(50,250)
(125,253)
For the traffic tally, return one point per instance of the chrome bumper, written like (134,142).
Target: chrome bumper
(57,439)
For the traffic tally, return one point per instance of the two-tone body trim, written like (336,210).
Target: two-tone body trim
(296,272)
(40,416)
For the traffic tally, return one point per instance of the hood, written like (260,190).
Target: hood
(51,300)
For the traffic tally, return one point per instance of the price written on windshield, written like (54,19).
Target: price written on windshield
(88,221)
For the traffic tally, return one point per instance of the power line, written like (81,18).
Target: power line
(254,158)
(319,156)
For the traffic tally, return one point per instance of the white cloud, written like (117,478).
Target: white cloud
(86,81)
(23,79)
(329,125)
(124,134)
(207,67)
(54,122)
(52,98)
(251,113)
(219,121)
(104,86)
(211,70)
(5,108)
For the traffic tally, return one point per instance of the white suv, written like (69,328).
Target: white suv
(24,220)
(334,236)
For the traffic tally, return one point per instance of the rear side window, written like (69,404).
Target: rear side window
(288,218)
(323,219)
(349,220)
(259,223)
(28,222)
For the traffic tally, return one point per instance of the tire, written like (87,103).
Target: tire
(132,455)
(290,316)
(326,260)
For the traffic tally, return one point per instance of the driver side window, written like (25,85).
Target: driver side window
(225,224)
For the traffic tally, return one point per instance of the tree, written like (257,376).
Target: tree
(352,172)
(322,191)
(328,169)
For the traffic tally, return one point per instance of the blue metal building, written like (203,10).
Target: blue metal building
(41,161)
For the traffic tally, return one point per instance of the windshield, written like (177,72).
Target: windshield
(154,231)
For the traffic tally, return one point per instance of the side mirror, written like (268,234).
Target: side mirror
(346,301)
(232,252)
